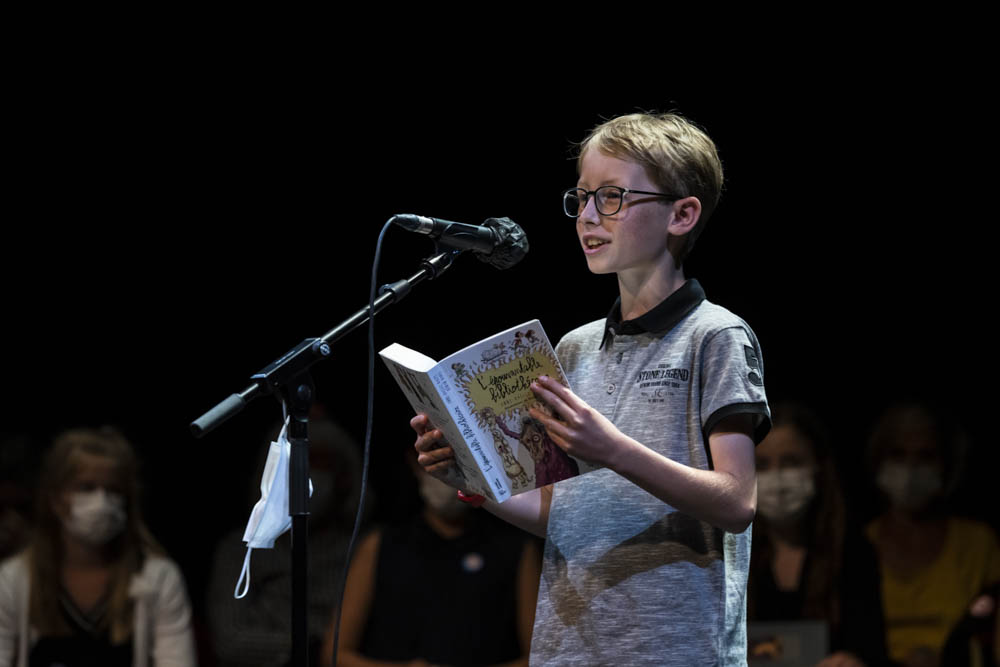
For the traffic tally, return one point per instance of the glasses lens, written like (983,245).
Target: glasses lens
(609,199)
(574,201)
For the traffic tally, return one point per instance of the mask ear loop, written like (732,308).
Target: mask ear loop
(245,572)
(244,578)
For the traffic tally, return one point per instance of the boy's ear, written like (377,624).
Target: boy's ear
(686,212)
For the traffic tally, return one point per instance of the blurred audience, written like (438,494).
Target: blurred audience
(806,563)
(934,565)
(17,468)
(453,586)
(92,587)
(256,629)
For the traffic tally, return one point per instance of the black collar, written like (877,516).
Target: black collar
(661,319)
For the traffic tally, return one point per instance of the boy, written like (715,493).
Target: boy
(645,560)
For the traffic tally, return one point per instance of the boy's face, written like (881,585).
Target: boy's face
(634,240)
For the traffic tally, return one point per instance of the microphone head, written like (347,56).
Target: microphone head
(512,245)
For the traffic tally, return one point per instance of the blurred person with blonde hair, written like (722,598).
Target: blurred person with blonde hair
(92,587)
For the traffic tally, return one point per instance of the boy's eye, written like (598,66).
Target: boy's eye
(610,195)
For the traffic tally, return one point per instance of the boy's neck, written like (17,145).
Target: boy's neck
(640,294)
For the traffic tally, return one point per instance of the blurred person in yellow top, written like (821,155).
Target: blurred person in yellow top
(934,565)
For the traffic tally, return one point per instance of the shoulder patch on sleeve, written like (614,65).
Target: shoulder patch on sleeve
(753,361)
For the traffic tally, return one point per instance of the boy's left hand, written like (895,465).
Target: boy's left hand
(580,430)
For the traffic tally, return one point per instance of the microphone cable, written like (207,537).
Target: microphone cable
(368,440)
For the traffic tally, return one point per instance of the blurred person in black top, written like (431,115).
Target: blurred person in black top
(452,586)
(805,563)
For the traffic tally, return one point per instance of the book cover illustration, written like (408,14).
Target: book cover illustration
(495,382)
(488,387)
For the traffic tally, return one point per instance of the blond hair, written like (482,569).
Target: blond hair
(677,154)
(125,553)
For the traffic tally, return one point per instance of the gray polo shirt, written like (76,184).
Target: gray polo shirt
(627,579)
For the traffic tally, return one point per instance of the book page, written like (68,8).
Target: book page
(424,397)
(410,358)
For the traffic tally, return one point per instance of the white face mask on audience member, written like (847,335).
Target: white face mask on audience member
(442,499)
(910,487)
(95,517)
(785,493)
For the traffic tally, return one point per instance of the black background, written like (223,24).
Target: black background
(179,217)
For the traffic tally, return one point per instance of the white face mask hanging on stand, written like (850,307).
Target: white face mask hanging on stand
(269,518)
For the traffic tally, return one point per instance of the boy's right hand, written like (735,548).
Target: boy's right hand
(434,455)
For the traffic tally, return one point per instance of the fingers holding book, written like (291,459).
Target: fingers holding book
(433,454)
(576,427)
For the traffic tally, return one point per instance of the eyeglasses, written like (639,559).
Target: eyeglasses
(609,199)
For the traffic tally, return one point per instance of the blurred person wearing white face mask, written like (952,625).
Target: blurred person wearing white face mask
(93,587)
(806,564)
(934,564)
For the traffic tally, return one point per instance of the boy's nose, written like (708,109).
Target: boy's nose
(589,215)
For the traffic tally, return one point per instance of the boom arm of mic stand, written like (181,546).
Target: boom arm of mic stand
(312,350)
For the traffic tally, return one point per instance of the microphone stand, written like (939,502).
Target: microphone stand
(289,378)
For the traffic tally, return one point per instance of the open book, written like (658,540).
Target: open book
(479,398)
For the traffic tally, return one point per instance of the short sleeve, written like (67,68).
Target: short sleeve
(732,380)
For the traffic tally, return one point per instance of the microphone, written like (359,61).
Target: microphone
(499,242)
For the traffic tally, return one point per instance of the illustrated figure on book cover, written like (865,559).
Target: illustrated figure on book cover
(496,391)
(551,463)
(515,471)
(460,371)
